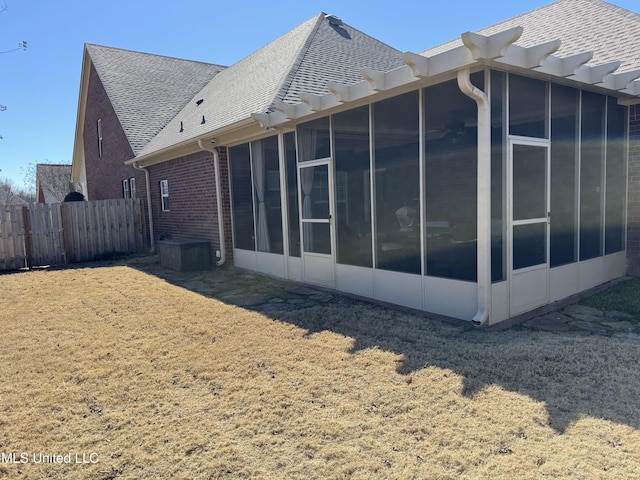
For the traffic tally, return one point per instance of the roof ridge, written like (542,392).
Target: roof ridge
(297,63)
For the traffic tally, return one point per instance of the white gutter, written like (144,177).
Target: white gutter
(149,209)
(216,166)
(483,195)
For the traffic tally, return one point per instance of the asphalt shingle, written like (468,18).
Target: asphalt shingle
(303,60)
(147,90)
(611,32)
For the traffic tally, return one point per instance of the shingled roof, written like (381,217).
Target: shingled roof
(611,32)
(53,182)
(147,90)
(302,60)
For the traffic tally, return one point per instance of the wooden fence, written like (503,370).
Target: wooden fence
(59,233)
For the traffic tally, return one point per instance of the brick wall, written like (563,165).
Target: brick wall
(105,173)
(192,199)
(633,213)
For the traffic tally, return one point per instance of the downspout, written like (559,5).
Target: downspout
(216,166)
(483,195)
(149,209)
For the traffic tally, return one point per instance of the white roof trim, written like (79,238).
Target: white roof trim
(477,49)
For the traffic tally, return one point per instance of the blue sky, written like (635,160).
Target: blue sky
(40,86)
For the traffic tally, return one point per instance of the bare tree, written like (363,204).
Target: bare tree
(21,46)
(54,179)
(12,195)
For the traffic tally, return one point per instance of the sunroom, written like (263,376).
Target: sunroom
(480,183)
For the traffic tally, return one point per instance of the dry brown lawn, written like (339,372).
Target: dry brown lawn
(149,380)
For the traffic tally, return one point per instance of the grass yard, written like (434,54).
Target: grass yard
(624,296)
(143,379)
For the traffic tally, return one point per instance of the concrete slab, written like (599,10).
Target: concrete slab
(551,322)
(617,314)
(620,326)
(590,327)
(581,312)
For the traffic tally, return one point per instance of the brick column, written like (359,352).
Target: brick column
(633,212)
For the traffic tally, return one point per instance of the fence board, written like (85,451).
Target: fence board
(12,251)
(70,232)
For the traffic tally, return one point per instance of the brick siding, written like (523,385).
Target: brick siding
(105,173)
(633,212)
(192,199)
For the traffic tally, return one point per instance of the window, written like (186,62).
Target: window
(126,192)
(99,137)
(242,196)
(132,187)
(292,193)
(564,187)
(164,195)
(397,183)
(353,197)
(592,152)
(451,180)
(614,232)
(314,140)
(498,171)
(528,107)
(265,165)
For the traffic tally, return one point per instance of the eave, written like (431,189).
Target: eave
(78,143)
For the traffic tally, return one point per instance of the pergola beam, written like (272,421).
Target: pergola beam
(620,81)
(269,120)
(564,66)
(595,75)
(531,57)
(478,49)
(492,46)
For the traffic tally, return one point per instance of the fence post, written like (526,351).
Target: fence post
(28,243)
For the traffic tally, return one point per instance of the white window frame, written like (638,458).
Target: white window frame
(100,137)
(126,191)
(164,195)
(132,187)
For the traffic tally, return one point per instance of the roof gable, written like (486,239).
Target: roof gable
(611,32)
(54,181)
(147,90)
(302,60)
